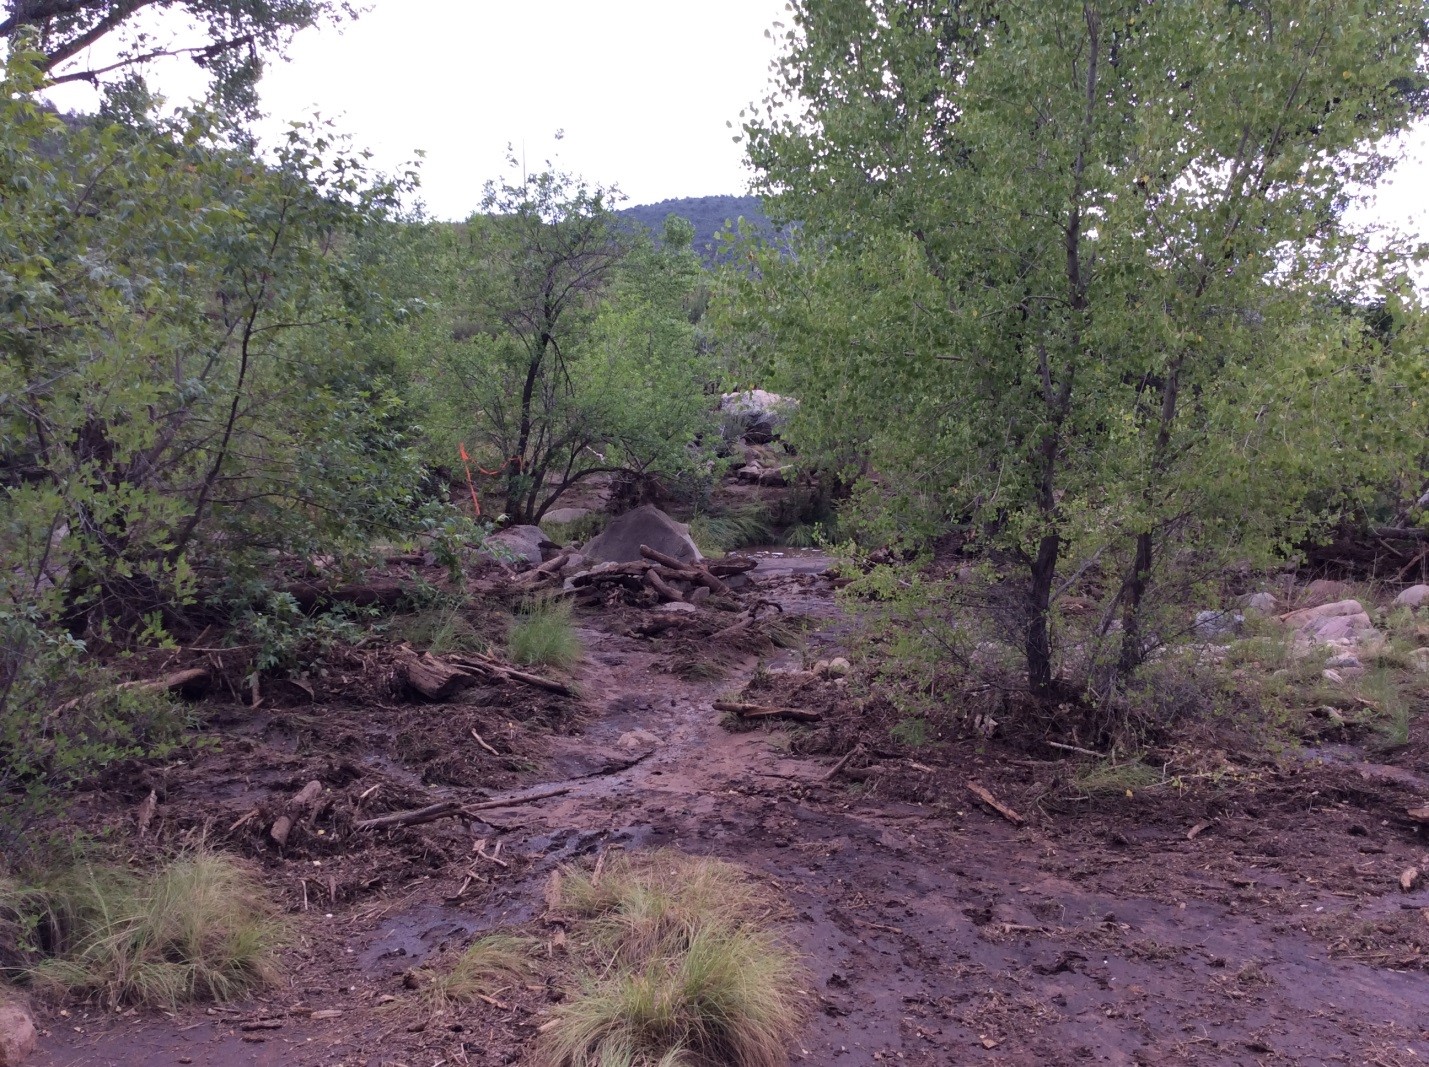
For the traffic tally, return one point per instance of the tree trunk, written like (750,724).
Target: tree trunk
(1039,600)
(1133,591)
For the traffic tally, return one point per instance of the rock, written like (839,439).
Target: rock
(637,741)
(562,516)
(525,543)
(1322,591)
(1333,676)
(1343,660)
(1420,658)
(755,414)
(620,541)
(676,607)
(838,667)
(1344,621)
(699,594)
(1212,624)
(1416,596)
(1264,603)
(762,475)
(17,1033)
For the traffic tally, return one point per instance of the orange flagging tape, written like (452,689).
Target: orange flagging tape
(466,462)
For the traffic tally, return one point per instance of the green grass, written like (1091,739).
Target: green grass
(542,635)
(582,530)
(721,532)
(1101,779)
(440,629)
(486,967)
(199,928)
(686,974)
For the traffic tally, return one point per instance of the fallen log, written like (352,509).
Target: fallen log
(310,595)
(731,565)
(301,803)
(665,590)
(548,570)
(761,711)
(660,557)
(433,678)
(996,805)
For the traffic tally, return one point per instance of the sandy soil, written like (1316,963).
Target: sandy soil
(936,932)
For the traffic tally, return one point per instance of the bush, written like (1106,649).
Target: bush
(543,635)
(199,928)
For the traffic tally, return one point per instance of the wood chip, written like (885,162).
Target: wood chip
(1197,830)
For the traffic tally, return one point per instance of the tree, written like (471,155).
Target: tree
(232,35)
(196,376)
(1066,243)
(561,340)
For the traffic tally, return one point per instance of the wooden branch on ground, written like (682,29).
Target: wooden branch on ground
(761,711)
(302,802)
(996,805)
(170,683)
(450,808)
(834,771)
(432,677)
(548,570)
(472,661)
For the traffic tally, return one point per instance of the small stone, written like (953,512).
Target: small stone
(636,740)
(1416,596)
(17,1033)
(1344,659)
(1420,658)
(838,667)
(821,668)
(678,608)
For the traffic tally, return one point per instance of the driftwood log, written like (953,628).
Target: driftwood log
(761,711)
(300,805)
(438,678)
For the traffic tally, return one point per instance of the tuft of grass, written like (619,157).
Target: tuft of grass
(483,970)
(439,630)
(688,977)
(581,530)
(542,635)
(1106,778)
(1386,706)
(199,928)
(718,533)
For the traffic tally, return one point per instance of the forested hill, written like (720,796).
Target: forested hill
(708,213)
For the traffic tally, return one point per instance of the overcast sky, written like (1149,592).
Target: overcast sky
(643,90)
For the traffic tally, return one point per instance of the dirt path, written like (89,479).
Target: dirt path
(933,936)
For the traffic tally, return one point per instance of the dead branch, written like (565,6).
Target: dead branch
(448,808)
(505,672)
(834,771)
(996,805)
(666,591)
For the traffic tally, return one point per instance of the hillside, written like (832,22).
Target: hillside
(709,214)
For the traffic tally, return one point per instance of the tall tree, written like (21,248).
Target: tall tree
(1062,240)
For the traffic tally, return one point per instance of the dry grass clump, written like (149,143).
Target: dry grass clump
(482,971)
(684,974)
(199,928)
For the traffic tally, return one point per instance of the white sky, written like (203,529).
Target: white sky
(642,89)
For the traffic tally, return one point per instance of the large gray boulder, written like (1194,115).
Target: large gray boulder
(524,543)
(1416,596)
(620,541)
(754,414)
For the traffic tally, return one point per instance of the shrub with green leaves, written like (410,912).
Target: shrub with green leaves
(543,635)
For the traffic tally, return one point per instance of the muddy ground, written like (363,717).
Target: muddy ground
(1102,930)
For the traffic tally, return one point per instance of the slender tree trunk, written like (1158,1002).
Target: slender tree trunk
(1133,592)
(516,472)
(1039,600)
